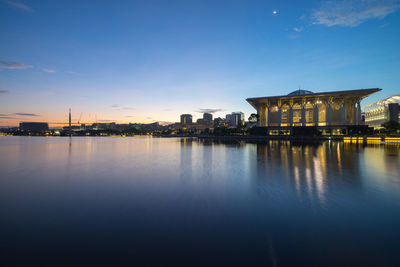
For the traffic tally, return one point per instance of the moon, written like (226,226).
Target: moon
(274,12)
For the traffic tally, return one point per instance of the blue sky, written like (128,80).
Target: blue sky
(145,61)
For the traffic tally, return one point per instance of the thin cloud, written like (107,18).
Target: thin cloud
(298,29)
(209,110)
(19,5)
(6,117)
(128,116)
(49,70)
(26,114)
(117,106)
(13,65)
(4,91)
(352,13)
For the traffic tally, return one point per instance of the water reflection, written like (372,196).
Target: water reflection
(186,158)
(310,169)
(224,202)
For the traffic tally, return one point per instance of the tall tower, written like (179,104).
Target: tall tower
(70,128)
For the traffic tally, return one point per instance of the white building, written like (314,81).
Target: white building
(382,111)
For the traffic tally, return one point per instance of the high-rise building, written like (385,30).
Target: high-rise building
(186,118)
(208,117)
(235,119)
(206,120)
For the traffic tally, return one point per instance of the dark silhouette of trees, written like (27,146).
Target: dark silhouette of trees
(254,117)
(391,127)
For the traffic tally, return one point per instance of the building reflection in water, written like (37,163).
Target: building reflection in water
(309,169)
(317,175)
(186,165)
(381,169)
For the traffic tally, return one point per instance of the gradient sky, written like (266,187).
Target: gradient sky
(145,61)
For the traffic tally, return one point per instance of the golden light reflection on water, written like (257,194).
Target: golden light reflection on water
(309,182)
(319,179)
(313,168)
(310,167)
(384,165)
(297,178)
(339,157)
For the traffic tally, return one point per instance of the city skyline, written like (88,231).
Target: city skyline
(154,61)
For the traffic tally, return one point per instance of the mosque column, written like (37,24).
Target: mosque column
(279,113)
(358,112)
(343,113)
(303,113)
(269,115)
(315,117)
(328,114)
(261,115)
(354,112)
(264,122)
(290,119)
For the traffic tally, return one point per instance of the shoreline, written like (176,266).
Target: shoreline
(260,139)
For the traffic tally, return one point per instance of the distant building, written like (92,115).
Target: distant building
(197,128)
(219,122)
(104,126)
(34,126)
(186,119)
(382,111)
(73,128)
(235,119)
(201,121)
(206,120)
(208,117)
(150,126)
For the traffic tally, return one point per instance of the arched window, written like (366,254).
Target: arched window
(309,113)
(285,115)
(296,115)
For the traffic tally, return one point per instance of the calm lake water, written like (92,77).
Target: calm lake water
(168,201)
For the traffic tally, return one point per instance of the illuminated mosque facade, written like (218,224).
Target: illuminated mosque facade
(329,112)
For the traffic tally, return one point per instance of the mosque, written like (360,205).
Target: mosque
(328,113)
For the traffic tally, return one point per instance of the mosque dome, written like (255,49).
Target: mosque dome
(300,92)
